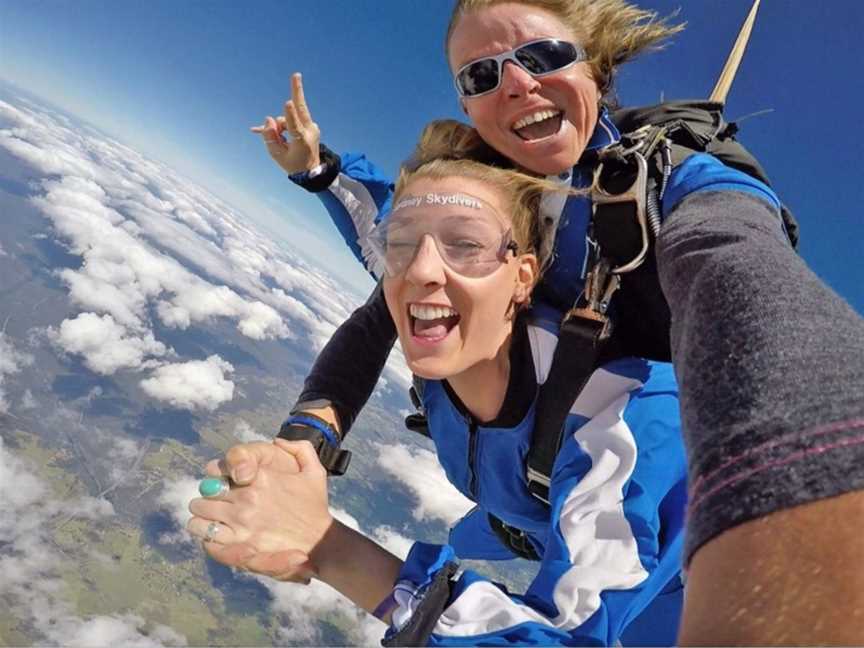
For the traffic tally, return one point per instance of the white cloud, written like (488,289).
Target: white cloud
(175,497)
(28,401)
(11,362)
(32,586)
(245,433)
(121,630)
(387,537)
(102,288)
(420,470)
(300,606)
(153,244)
(397,370)
(124,449)
(91,508)
(123,456)
(198,301)
(104,343)
(154,248)
(197,384)
(393,541)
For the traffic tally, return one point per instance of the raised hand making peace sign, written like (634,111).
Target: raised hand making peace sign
(298,151)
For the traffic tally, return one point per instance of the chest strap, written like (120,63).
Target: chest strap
(581,342)
(516,540)
(619,230)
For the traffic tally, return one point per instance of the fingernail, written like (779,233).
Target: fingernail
(242,473)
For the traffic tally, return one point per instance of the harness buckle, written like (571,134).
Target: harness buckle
(515,539)
(538,484)
(636,193)
(592,306)
(600,284)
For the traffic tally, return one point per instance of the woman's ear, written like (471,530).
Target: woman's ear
(527,275)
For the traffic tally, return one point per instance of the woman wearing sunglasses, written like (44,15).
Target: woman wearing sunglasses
(769,358)
(458,251)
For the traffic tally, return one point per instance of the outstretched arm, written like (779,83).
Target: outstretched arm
(256,518)
(355,192)
(598,581)
(347,368)
(770,363)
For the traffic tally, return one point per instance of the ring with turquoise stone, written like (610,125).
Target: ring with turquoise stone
(213,486)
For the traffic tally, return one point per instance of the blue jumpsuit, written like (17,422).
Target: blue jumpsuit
(611,541)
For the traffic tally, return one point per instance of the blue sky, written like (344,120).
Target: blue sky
(183,81)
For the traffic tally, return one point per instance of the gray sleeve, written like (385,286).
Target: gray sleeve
(770,363)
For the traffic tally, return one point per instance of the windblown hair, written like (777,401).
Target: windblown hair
(449,148)
(612,32)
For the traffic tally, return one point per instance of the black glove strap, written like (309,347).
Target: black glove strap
(334,459)
(332,166)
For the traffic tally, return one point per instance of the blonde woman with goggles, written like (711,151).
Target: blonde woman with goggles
(768,357)
(459,252)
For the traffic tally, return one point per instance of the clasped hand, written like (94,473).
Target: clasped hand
(275,514)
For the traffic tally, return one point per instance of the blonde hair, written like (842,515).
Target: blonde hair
(611,31)
(449,148)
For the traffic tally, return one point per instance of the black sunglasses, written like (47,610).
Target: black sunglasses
(537,58)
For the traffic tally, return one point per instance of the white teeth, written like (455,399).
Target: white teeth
(424,312)
(536,117)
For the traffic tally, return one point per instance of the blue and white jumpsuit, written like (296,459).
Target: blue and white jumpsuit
(611,541)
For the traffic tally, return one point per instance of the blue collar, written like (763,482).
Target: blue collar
(605,133)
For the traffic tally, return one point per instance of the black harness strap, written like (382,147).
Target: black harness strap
(619,227)
(333,458)
(581,343)
(579,347)
(516,540)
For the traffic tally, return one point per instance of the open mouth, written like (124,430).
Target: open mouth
(543,123)
(431,323)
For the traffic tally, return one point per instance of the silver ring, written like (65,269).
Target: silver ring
(212,529)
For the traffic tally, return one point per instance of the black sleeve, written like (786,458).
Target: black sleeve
(348,367)
(332,166)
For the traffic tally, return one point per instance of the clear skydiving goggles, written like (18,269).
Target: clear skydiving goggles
(469,235)
(538,58)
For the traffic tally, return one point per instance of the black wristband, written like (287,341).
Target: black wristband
(333,458)
(332,166)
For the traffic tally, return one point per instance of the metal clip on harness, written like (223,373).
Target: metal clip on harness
(604,279)
(587,326)
(635,193)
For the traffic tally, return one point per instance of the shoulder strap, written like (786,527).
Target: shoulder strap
(417,422)
(620,227)
(689,127)
(582,342)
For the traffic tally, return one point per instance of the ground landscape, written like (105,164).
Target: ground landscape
(146,327)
